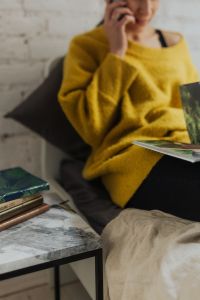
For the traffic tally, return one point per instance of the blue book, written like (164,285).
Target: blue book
(17,183)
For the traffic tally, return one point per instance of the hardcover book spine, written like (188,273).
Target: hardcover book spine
(24,216)
(24,193)
(7,214)
(9,204)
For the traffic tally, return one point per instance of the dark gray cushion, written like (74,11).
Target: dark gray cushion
(41,113)
(90,197)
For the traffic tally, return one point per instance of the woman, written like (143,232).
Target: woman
(120,83)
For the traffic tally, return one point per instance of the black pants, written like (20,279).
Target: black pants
(173,186)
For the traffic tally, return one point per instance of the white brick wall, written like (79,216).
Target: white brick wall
(34,31)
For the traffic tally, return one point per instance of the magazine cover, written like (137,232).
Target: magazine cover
(190,96)
(189,152)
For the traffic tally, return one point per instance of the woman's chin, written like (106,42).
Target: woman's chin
(141,23)
(138,26)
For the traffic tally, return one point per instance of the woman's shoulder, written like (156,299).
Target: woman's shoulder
(91,45)
(172,38)
(92,37)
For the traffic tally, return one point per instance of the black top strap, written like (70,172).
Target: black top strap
(161,38)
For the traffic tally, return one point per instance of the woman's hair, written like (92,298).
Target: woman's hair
(100,23)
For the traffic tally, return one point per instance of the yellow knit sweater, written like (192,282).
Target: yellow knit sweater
(112,101)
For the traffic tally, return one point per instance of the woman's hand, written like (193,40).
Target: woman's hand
(115,26)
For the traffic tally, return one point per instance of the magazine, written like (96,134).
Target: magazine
(190,97)
(189,152)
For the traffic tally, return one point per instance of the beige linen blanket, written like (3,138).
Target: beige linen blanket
(151,255)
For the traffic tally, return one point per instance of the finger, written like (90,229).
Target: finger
(113,2)
(120,12)
(125,20)
(111,7)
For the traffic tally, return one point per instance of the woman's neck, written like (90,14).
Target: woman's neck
(141,35)
(147,37)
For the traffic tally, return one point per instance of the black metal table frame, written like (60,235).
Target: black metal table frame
(97,254)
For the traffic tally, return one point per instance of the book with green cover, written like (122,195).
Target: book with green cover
(17,183)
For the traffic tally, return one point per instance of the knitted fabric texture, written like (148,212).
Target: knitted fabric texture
(111,101)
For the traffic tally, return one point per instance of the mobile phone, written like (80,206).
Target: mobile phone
(121,16)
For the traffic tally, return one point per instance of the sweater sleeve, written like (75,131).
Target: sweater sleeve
(90,93)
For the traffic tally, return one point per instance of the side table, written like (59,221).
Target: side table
(51,239)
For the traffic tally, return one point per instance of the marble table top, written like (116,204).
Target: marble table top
(53,235)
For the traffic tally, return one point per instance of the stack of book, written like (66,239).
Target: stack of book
(20,196)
